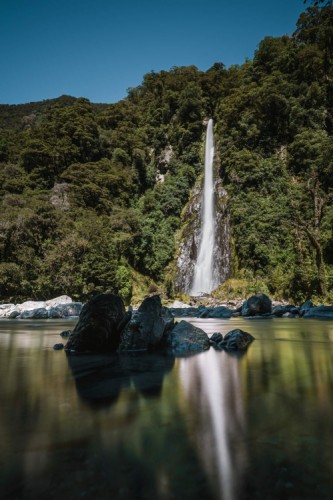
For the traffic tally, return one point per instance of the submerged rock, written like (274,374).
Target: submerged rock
(257,305)
(236,340)
(186,339)
(98,327)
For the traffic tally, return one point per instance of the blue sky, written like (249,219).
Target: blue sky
(99,48)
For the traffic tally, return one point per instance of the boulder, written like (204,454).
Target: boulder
(39,313)
(97,329)
(184,312)
(13,314)
(282,310)
(236,340)
(29,305)
(220,312)
(65,310)
(147,326)
(63,299)
(186,339)
(65,333)
(58,347)
(308,304)
(216,338)
(257,305)
(324,312)
(6,309)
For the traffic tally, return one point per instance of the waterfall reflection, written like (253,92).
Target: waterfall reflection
(212,386)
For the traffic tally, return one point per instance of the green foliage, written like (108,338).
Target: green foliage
(91,195)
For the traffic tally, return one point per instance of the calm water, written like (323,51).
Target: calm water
(213,426)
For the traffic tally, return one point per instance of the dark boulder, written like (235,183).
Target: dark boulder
(58,347)
(257,305)
(97,329)
(282,311)
(186,339)
(220,312)
(236,340)
(216,338)
(185,312)
(147,326)
(65,333)
(14,315)
(308,304)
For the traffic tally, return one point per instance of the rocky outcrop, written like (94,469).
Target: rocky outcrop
(186,339)
(59,307)
(98,327)
(147,326)
(257,305)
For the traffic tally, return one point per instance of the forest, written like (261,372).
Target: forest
(92,195)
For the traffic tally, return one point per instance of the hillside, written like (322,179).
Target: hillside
(83,205)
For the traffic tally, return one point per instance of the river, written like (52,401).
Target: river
(213,426)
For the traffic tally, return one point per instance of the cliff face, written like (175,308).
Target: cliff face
(191,233)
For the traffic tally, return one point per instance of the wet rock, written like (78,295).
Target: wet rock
(14,315)
(256,305)
(188,312)
(97,329)
(66,333)
(186,339)
(220,312)
(147,326)
(307,305)
(281,310)
(40,313)
(324,312)
(236,340)
(65,310)
(58,347)
(216,338)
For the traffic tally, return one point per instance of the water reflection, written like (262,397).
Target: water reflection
(212,384)
(100,379)
(211,426)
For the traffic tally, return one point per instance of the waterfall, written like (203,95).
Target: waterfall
(203,281)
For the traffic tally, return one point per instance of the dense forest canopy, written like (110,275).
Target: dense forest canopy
(92,194)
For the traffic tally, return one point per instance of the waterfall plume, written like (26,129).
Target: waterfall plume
(203,279)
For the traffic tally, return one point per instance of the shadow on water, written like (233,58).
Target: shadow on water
(99,379)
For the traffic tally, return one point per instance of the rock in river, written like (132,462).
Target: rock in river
(98,326)
(186,339)
(236,340)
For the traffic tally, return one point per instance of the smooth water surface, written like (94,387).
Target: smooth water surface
(213,426)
